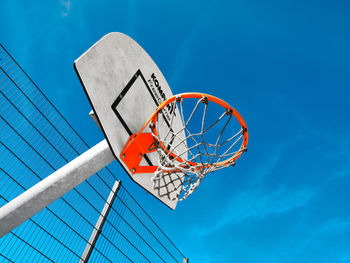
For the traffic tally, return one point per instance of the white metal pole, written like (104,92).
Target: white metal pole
(54,186)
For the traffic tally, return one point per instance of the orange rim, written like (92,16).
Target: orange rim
(198,95)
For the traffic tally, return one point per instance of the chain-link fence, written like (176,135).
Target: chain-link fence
(36,140)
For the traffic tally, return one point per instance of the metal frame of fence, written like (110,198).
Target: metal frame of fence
(36,140)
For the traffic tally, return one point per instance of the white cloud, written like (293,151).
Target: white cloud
(183,52)
(257,204)
(320,236)
(67,6)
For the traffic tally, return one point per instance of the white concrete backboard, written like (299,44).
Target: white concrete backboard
(124,87)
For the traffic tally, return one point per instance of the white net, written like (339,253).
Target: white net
(199,147)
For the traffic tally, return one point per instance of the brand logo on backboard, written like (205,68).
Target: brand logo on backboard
(160,96)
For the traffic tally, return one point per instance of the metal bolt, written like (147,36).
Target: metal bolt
(140,155)
(133,169)
(123,155)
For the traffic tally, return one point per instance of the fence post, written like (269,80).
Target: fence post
(99,224)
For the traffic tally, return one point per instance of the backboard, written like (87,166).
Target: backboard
(124,87)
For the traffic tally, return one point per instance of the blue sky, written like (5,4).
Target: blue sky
(284,65)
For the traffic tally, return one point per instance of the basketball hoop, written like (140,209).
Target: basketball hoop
(186,157)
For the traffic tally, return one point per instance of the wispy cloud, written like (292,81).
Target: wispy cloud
(268,162)
(321,236)
(67,6)
(257,204)
(184,50)
(335,145)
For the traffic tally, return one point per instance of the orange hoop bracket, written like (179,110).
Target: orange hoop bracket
(135,149)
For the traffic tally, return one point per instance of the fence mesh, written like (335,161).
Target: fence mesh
(36,140)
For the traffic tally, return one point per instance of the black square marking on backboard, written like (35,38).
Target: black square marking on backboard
(122,95)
